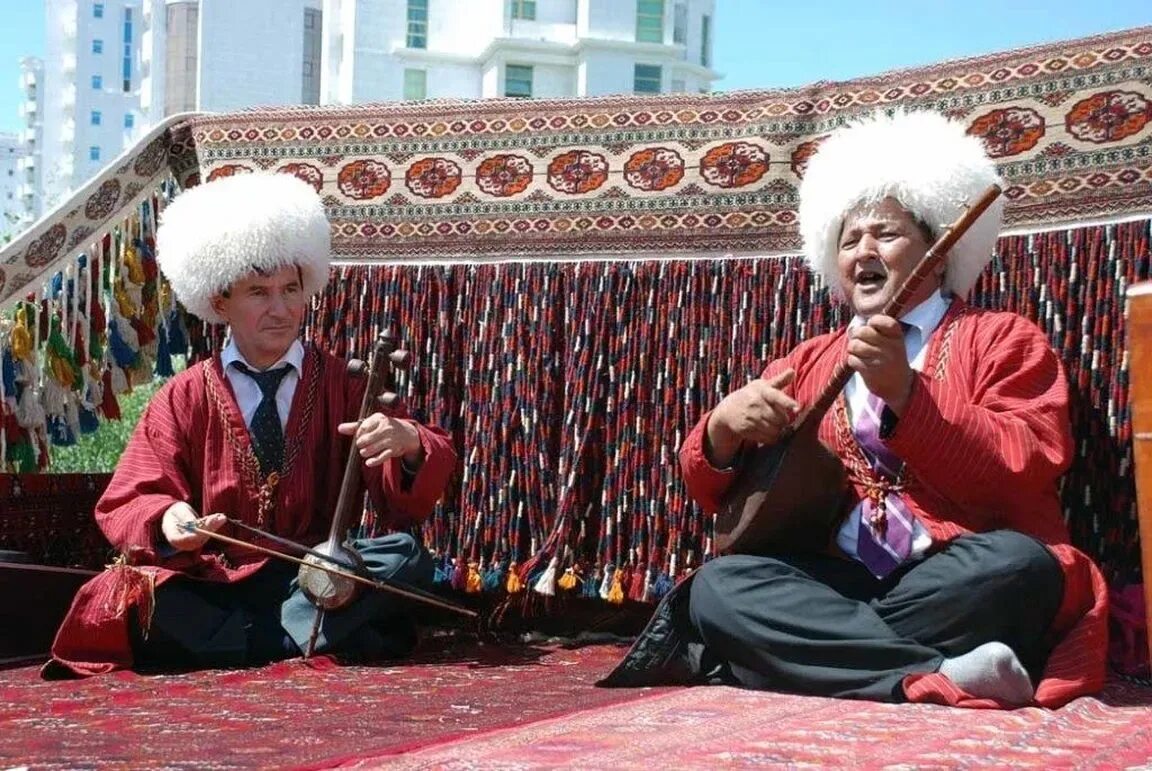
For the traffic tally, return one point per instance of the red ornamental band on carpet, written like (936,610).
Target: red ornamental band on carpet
(659,535)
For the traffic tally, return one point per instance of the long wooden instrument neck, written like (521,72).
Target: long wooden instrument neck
(348,503)
(896,306)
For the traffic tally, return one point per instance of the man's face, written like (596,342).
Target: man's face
(265,313)
(880,246)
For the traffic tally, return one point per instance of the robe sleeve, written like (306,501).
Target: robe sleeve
(995,452)
(706,483)
(400,497)
(409,498)
(151,475)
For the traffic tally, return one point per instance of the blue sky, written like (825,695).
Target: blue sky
(781,43)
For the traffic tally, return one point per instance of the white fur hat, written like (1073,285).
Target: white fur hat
(923,160)
(219,232)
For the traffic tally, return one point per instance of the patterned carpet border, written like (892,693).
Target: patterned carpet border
(1067,122)
(706,174)
(714,727)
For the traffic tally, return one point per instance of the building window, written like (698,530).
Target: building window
(98,10)
(706,41)
(650,21)
(127,69)
(129,120)
(415,84)
(97,46)
(680,24)
(97,82)
(417,23)
(518,81)
(647,79)
(524,9)
(310,83)
(93,153)
(97,118)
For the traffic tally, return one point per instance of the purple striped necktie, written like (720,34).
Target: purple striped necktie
(884,539)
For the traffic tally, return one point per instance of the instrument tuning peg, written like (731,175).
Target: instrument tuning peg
(400,358)
(357,367)
(388,399)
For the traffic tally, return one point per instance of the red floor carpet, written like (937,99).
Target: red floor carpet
(526,707)
(709,728)
(292,715)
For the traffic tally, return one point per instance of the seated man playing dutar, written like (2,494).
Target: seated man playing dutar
(949,576)
(258,433)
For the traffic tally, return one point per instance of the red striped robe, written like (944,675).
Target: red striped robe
(192,445)
(985,437)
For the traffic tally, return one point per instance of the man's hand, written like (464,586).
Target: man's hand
(758,412)
(876,350)
(181,513)
(379,438)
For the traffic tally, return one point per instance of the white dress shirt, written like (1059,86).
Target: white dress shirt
(248,393)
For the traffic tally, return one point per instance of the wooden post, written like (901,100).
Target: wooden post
(1140,399)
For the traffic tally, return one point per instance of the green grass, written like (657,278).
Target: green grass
(100,451)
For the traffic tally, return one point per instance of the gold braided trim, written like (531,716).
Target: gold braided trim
(946,343)
(241,442)
(860,470)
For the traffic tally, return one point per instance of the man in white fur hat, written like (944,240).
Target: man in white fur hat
(258,433)
(949,577)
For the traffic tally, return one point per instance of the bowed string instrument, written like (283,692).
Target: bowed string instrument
(787,494)
(332,574)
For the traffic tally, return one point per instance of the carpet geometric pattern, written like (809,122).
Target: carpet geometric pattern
(1069,123)
(720,727)
(292,714)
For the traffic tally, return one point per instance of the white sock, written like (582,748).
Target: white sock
(991,671)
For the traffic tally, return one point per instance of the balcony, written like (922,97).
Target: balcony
(68,63)
(27,109)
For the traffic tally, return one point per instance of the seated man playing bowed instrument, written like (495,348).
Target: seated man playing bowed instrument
(258,433)
(948,577)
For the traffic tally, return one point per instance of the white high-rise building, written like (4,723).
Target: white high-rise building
(113,68)
(11,181)
(90,104)
(30,138)
(377,50)
(219,55)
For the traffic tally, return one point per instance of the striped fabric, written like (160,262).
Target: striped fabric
(985,437)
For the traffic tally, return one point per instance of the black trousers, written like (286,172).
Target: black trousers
(826,626)
(264,617)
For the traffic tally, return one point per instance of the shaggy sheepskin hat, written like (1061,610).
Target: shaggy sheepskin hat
(923,160)
(217,233)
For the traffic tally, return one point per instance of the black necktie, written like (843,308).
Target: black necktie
(267,433)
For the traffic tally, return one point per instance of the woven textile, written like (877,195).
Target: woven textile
(569,387)
(292,714)
(49,517)
(1067,122)
(708,728)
